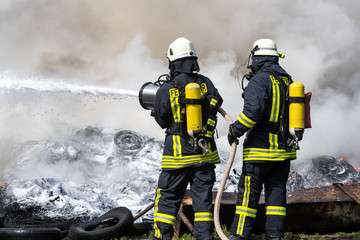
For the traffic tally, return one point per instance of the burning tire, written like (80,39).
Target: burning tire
(112,224)
(30,233)
(328,170)
(128,142)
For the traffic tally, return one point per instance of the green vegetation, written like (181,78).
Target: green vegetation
(288,236)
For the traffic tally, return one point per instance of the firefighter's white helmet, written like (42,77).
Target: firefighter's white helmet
(265,47)
(180,48)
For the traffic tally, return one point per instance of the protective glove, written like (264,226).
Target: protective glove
(231,136)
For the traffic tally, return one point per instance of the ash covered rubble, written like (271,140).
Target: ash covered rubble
(96,170)
(79,178)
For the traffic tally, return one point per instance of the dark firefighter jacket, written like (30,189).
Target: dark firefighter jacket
(178,153)
(263,101)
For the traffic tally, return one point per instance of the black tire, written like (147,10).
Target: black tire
(128,142)
(138,229)
(30,234)
(111,224)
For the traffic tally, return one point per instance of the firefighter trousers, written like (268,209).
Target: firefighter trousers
(170,192)
(273,176)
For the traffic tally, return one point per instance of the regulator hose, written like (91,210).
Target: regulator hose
(223,180)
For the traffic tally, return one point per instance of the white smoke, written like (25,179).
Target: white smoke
(122,44)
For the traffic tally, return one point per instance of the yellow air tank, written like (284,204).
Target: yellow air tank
(193,110)
(296,109)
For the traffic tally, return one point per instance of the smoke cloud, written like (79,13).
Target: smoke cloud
(122,44)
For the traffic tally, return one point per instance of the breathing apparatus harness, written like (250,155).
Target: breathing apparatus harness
(192,103)
(283,127)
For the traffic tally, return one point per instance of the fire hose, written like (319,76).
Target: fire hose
(223,181)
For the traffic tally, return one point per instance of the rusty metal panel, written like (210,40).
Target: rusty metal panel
(324,194)
(328,209)
(330,193)
(352,190)
(323,217)
(228,198)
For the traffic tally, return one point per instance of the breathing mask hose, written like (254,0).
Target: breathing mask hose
(223,180)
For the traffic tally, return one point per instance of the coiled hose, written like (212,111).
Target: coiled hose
(223,180)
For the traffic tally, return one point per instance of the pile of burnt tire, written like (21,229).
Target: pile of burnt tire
(116,223)
(128,142)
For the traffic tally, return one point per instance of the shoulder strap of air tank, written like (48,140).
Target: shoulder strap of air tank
(279,78)
(175,83)
(274,73)
(198,79)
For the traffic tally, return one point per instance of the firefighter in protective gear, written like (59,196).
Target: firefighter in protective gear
(266,162)
(183,160)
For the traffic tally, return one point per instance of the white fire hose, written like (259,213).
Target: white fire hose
(223,181)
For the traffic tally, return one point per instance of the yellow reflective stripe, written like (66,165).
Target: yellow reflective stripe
(245,203)
(175,106)
(275,210)
(179,146)
(263,154)
(275,106)
(273,140)
(250,212)
(158,195)
(165,218)
(245,120)
(157,232)
(185,161)
(176,146)
(203,216)
(213,102)
(208,134)
(211,122)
